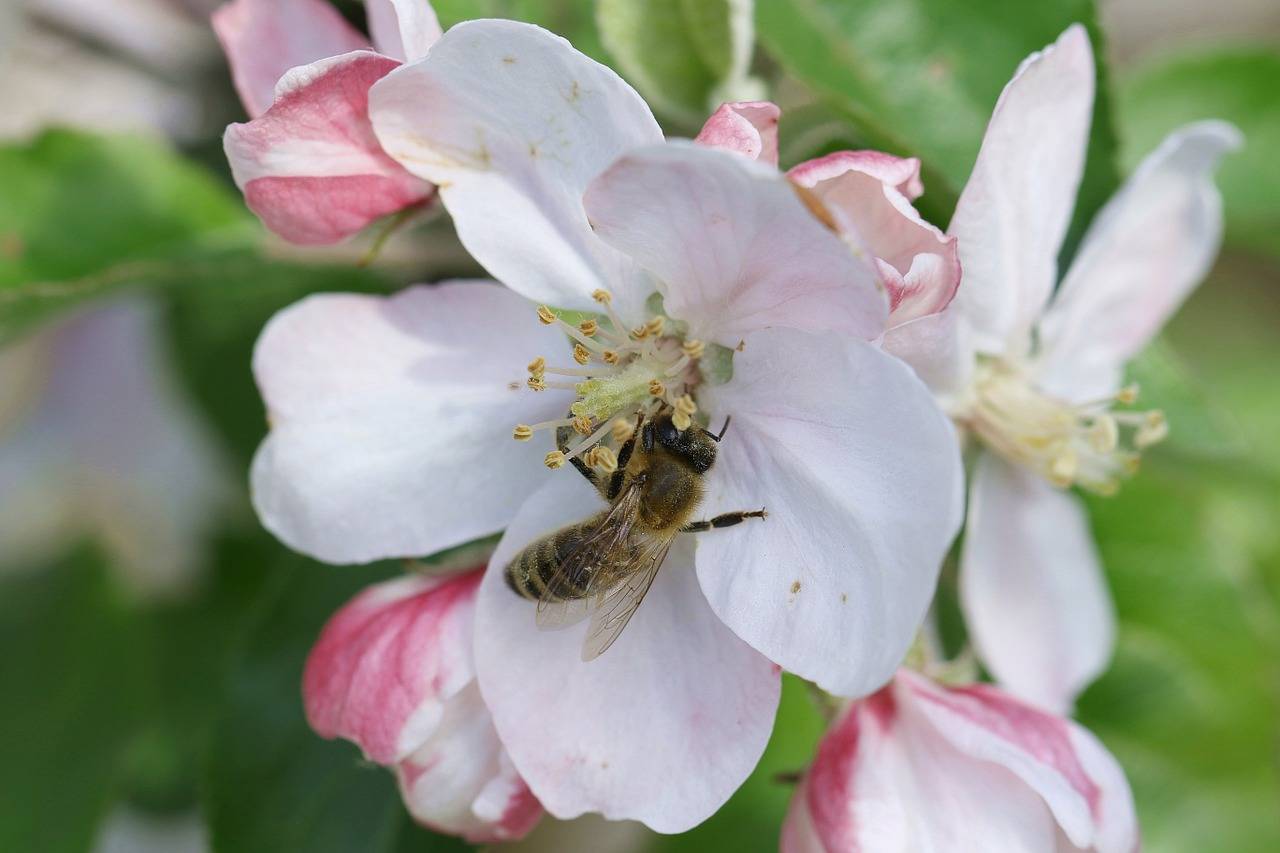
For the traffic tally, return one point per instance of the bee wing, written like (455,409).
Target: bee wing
(614,607)
(580,575)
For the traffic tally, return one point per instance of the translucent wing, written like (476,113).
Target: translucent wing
(614,607)
(591,566)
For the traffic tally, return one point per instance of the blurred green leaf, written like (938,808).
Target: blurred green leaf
(83,214)
(920,77)
(684,56)
(572,19)
(1238,84)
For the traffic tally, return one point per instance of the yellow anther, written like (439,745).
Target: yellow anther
(1154,431)
(582,425)
(537,366)
(681,420)
(609,356)
(655,325)
(639,333)
(522,432)
(536,383)
(553,460)
(622,431)
(1104,435)
(1063,469)
(686,405)
(693,348)
(581,354)
(1128,394)
(656,388)
(589,328)
(546,315)
(601,296)
(604,459)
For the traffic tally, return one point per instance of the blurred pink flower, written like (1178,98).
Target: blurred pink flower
(308,162)
(919,766)
(1035,377)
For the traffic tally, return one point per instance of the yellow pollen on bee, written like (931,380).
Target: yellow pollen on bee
(693,348)
(589,328)
(656,388)
(522,432)
(602,296)
(546,315)
(554,459)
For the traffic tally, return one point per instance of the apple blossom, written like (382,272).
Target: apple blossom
(96,440)
(920,766)
(393,672)
(1035,377)
(393,419)
(308,162)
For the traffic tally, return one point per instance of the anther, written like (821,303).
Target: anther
(609,356)
(546,315)
(537,366)
(589,327)
(1153,431)
(656,388)
(655,325)
(581,354)
(622,431)
(681,420)
(1063,469)
(693,348)
(1128,394)
(553,460)
(686,405)
(639,333)
(602,296)
(522,432)
(582,425)
(603,458)
(536,383)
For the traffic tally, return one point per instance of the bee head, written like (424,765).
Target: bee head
(696,447)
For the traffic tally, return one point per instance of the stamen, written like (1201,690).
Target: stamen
(553,460)
(581,425)
(622,431)
(610,356)
(536,383)
(681,420)
(1128,395)
(602,296)
(522,432)
(546,315)
(693,348)
(581,354)
(537,366)
(686,405)
(590,441)
(654,327)
(656,388)
(1104,436)
(602,458)
(1154,431)
(589,328)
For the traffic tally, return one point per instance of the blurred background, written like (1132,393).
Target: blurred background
(153,635)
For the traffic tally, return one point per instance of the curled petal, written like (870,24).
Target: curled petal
(402,29)
(748,127)
(1144,254)
(1031,585)
(513,123)
(732,246)
(265,38)
(392,417)
(860,473)
(1016,207)
(661,728)
(900,173)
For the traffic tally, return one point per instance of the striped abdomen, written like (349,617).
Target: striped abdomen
(539,566)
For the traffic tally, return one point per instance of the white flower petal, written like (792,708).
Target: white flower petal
(732,246)
(1142,256)
(1031,584)
(934,347)
(861,475)
(392,417)
(1016,207)
(513,123)
(661,728)
(402,29)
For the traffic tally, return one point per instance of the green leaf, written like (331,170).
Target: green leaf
(569,18)
(1237,84)
(684,56)
(920,77)
(83,214)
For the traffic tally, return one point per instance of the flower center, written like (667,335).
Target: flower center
(1082,444)
(619,375)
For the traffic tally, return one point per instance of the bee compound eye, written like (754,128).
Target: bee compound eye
(667,432)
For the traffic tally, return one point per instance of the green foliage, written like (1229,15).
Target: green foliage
(684,56)
(1237,84)
(569,18)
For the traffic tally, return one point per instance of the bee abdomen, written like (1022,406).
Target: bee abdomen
(538,566)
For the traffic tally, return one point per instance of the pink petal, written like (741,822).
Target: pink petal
(1016,207)
(392,672)
(1031,584)
(513,123)
(918,263)
(661,728)
(392,417)
(748,127)
(1144,254)
(402,29)
(265,38)
(860,472)
(731,246)
(310,167)
(901,173)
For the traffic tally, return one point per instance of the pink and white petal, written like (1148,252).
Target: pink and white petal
(461,781)
(732,246)
(390,662)
(402,29)
(934,348)
(1031,586)
(749,128)
(860,472)
(1066,766)
(391,419)
(884,780)
(1144,254)
(1016,207)
(513,123)
(900,173)
(310,167)
(919,264)
(661,728)
(265,38)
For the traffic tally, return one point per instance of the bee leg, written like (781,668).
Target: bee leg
(624,456)
(562,444)
(728,519)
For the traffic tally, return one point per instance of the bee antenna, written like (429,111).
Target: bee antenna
(717,436)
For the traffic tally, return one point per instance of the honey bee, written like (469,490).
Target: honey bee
(605,565)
